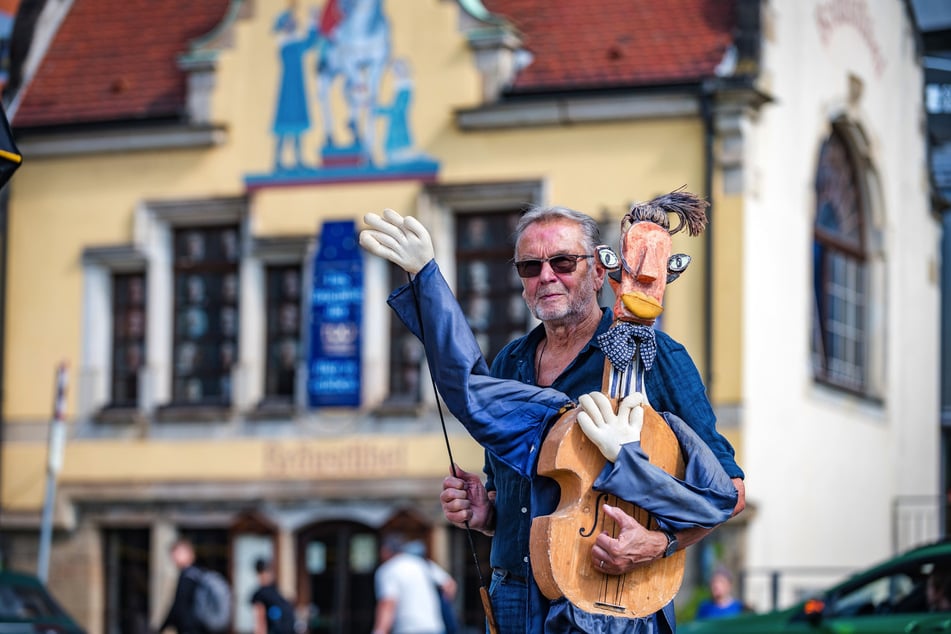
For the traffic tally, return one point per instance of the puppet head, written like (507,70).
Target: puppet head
(645,267)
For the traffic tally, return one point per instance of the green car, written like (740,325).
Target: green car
(909,593)
(27,608)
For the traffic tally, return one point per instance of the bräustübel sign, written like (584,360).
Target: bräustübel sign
(333,378)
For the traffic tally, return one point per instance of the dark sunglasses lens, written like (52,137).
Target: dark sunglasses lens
(563,264)
(528,268)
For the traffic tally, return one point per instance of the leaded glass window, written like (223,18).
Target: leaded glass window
(488,288)
(128,337)
(840,273)
(283,331)
(206,314)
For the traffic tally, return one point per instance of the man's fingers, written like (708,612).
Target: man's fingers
(623,519)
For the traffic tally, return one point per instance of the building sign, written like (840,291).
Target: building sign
(337,67)
(336,310)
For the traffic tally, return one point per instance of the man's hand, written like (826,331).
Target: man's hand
(606,429)
(464,498)
(634,545)
(403,241)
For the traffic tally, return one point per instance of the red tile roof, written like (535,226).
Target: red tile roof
(117,60)
(591,44)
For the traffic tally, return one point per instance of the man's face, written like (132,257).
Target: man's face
(558,297)
(645,249)
(182,556)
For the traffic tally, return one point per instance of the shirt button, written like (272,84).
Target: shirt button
(525,559)
(524,510)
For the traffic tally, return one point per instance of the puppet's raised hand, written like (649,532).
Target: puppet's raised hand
(606,429)
(402,241)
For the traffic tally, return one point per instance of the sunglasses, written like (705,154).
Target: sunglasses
(558,264)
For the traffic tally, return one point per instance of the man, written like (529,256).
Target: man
(181,614)
(555,256)
(273,614)
(406,589)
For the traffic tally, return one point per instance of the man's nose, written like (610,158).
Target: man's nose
(547,273)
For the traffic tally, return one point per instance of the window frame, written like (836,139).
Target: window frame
(865,253)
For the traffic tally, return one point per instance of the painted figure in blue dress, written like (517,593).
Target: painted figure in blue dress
(291,119)
(562,268)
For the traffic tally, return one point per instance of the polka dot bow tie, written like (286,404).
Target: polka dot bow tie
(621,341)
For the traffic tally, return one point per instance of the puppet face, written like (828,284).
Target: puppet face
(645,250)
(553,296)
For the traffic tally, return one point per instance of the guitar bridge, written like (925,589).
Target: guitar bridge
(610,606)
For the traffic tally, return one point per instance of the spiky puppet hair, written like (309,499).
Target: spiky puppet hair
(689,208)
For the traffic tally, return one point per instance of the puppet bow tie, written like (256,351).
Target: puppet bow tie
(621,341)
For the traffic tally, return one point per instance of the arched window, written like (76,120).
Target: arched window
(840,270)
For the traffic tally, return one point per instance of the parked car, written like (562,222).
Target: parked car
(891,597)
(26,607)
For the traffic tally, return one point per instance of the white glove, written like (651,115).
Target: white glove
(402,241)
(606,429)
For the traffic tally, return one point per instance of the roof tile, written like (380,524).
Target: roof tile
(117,60)
(590,44)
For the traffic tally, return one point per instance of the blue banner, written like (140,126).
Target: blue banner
(336,311)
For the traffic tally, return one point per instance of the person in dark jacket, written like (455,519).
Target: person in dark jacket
(181,615)
(273,614)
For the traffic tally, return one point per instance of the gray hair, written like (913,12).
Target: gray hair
(591,233)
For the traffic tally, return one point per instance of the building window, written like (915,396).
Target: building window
(487,285)
(283,332)
(840,274)
(128,337)
(206,314)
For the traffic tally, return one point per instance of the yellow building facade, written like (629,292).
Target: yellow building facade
(181,418)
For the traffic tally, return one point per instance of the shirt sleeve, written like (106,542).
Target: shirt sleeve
(705,496)
(506,417)
(439,575)
(674,385)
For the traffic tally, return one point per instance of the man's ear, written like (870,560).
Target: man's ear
(677,264)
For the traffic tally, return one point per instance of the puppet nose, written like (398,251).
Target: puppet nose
(647,270)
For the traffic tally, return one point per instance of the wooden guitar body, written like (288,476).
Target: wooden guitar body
(561,543)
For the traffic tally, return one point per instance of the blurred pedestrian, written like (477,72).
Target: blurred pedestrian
(721,602)
(407,589)
(182,615)
(273,614)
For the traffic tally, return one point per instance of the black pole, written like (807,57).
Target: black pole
(706,112)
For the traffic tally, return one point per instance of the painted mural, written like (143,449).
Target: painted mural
(346,45)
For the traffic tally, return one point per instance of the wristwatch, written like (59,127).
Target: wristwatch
(672,543)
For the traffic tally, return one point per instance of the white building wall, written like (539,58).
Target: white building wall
(824,468)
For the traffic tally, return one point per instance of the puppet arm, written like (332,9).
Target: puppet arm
(506,417)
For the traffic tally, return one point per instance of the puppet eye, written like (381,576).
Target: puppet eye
(676,265)
(607,257)
(678,262)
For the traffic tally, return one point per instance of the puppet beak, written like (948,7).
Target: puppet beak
(642,306)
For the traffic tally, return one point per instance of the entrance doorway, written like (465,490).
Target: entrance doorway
(335,563)
(126,562)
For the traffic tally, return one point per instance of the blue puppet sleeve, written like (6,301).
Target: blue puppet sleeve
(705,497)
(506,417)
